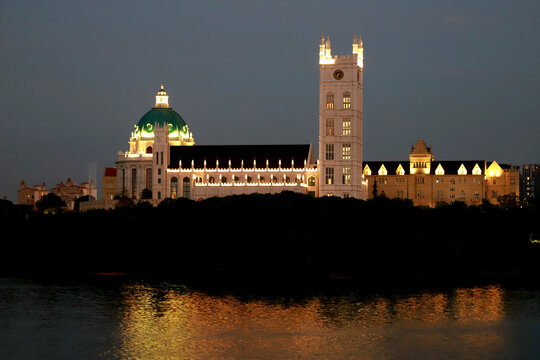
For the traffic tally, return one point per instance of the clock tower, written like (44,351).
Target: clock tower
(340,121)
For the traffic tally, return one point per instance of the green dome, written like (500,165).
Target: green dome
(177,125)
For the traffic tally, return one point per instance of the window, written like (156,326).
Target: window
(236,178)
(330,127)
(311,181)
(329,151)
(133,182)
(157,158)
(346,176)
(382,181)
(419,180)
(346,153)
(211,180)
(419,194)
(346,100)
(476,195)
(186,187)
(512,181)
(223,180)
(329,175)
(149,150)
(159,180)
(162,158)
(452,196)
(248,179)
(494,194)
(159,171)
(149,179)
(346,127)
(174,187)
(123,181)
(330,101)
(400,180)
(159,195)
(439,194)
(462,194)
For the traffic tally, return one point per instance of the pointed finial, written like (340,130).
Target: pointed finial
(361,43)
(322,39)
(161,86)
(328,42)
(355,38)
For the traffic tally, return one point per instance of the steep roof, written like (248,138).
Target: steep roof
(110,171)
(237,153)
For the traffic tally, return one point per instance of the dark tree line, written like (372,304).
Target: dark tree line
(280,236)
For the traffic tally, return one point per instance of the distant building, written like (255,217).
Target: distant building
(108,190)
(29,195)
(530,182)
(69,192)
(428,182)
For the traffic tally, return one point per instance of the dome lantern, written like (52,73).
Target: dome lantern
(162,99)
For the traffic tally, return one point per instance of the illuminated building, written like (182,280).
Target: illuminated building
(530,178)
(428,182)
(164,159)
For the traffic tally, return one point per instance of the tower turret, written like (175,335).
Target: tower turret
(162,99)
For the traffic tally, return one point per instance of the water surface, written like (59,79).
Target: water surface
(137,320)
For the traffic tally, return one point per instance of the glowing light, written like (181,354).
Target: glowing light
(476,170)
(382,170)
(400,170)
(439,170)
(462,170)
(367,170)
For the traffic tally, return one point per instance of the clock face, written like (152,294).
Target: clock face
(338,74)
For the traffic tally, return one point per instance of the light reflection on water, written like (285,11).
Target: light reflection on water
(163,321)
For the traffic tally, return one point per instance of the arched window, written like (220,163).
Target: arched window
(223,180)
(211,180)
(236,179)
(346,100)
(248,179)
(330,101)
(149,150)
(311,181)
(174,187)
(186,184)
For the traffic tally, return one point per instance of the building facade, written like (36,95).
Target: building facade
(108,182)
(164,159)
(530,181)
(428,182)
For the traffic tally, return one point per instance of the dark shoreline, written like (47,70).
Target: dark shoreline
(279,241)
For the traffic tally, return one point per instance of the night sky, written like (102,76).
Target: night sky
(76,76)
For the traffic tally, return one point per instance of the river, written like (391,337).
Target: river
(163,320)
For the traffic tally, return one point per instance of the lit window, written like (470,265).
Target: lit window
(311,181)
(346,100)
(330,127)
(329,151)
(382,170)
(346,127)
(346,154)
(400,170)
(462,170)
(330,101)
(346,176)
(476,170)
(439,170)
(329,175)
(174,187)
(211,180)
(462,194)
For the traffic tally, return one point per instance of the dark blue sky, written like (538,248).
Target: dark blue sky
(75,77)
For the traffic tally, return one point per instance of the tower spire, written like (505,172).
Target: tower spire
(162,99)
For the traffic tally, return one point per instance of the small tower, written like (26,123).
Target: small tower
(162,99)
(340,121)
